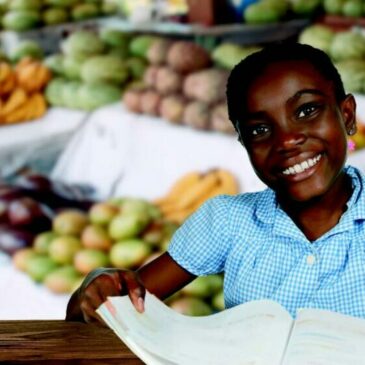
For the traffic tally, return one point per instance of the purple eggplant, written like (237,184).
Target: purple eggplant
(34,182)
(12,240)
(28,213)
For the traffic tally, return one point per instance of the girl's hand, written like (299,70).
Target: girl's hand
(100,284)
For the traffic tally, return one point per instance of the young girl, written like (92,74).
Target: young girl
(301,242)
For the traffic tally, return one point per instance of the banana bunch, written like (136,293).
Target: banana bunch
(7,79)
(192,190)
(20,107)
(17,103)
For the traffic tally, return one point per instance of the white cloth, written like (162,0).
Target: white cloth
(121,153)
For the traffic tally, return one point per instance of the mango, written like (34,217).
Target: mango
(87,260)
(39,266)
(42,241)
(218,301)
(191,306)
(139,206)
(125,225)
(102,213)
(70,222)
(204,287)
(96,237)
(129,253)
(62,280)
(21,257)
(63,249)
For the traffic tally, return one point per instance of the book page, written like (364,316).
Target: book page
(322,337)
(253,333)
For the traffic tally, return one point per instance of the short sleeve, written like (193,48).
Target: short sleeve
(201,244)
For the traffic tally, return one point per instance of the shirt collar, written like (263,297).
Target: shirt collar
(267,206)
(356,204)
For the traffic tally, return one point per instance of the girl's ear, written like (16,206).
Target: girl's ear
(348,109)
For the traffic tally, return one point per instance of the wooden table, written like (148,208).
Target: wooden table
(61,343)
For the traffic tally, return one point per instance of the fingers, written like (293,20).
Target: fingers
(96,293)
(99,285)
(134,288)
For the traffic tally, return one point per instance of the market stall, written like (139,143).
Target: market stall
(117,137)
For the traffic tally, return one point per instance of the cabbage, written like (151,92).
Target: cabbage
(318,36)
(53,92)
(26,48)
(106,68)
(347,45)
(82,44)
(93,96)
(70,94)
(114,37)
(353,75)
(227,55)
(55,63)
(72,67)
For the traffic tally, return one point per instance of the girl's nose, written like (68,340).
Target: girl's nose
(288,140)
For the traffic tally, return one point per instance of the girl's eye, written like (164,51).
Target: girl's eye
(259,130)
(306,110)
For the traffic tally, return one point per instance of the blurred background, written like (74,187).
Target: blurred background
(114,129)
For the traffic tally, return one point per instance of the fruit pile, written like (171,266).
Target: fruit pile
(273,11)
(21,90)
(21,15)
(58,247)
(192,190)
(348,8)
(123,233)
(92,69)
(28,206)
(346,49)
(180,85)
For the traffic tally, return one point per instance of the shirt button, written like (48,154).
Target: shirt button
(311,259)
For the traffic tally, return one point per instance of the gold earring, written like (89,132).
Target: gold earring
(351,132)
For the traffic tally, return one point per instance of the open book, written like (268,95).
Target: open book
(255,333)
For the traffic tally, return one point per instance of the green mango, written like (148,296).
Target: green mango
(39,266)
(21,20)
(261,13)
(353,8)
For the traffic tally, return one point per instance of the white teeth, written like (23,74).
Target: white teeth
(298,168)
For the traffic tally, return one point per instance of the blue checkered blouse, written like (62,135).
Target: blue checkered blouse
(264,255)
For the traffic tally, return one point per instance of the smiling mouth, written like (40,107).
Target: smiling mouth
(301,167)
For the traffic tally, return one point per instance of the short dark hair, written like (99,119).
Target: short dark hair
(246,71)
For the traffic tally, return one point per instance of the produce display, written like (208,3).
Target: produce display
(347,50)
(93,69)
(21,90)
(180,84)
(22,15)
(347,8)
(192,190)
(273,11)
(121,232)
(28,206)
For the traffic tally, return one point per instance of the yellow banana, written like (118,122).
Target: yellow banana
(179,216)
(16,116)
(179,188)
(38,106)
(5,71)
(15,100)
(206,184)
(228,182)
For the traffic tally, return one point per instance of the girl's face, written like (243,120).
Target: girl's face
(295,131)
